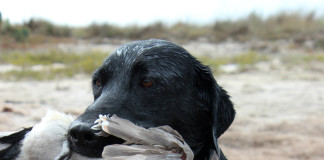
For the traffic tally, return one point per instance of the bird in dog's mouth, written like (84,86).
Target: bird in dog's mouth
(139,143)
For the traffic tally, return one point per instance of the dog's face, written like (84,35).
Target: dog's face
(154,83)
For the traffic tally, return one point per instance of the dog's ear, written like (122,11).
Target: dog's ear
(222,110)
(223,114)
(215,99)
(219,105)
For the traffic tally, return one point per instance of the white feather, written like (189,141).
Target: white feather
(45,140)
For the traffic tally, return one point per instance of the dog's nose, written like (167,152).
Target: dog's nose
(81,134)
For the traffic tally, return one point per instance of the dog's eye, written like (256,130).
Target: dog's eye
(98,83)
(147,83)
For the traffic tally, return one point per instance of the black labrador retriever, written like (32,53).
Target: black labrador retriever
(154,83)
(151,83)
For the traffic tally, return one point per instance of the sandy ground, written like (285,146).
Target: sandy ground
(280,115)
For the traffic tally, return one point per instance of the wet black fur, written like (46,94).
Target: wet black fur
(184,95)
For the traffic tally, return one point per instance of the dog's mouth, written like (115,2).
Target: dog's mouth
(162,140)
(94,145)
(90,139)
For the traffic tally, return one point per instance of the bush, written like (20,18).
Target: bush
(281,26)
(44,27)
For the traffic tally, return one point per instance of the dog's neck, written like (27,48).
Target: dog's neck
(200,151)
(204,152)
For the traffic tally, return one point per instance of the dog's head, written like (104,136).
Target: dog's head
(154,83)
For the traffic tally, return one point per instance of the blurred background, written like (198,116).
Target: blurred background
(267,54)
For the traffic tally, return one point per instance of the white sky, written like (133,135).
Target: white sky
(123,12)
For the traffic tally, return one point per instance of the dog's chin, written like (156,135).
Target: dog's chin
(95,149)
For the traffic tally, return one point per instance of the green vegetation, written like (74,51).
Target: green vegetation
(302,59)
(57,64)
(49,65)
(43,66)
(243,60)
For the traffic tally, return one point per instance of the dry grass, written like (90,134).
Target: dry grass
(294,26)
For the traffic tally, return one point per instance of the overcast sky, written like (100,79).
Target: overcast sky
(141,12)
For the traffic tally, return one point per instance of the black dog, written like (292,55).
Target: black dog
(151,83)
(154,83)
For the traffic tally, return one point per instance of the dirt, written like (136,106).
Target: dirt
(280,113)
(279,116)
